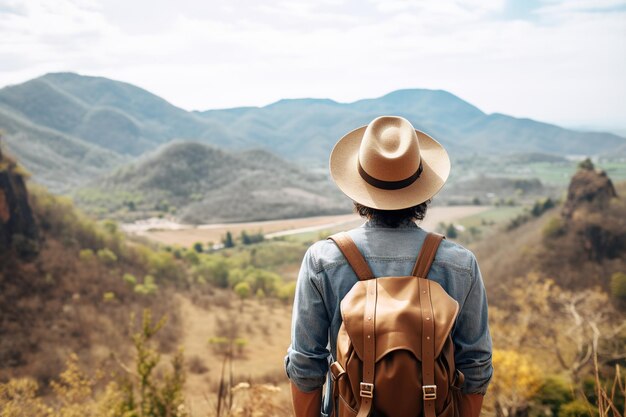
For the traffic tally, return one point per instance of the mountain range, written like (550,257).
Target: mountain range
(68,128)
(73,131)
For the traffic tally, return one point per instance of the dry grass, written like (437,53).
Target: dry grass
(265,329)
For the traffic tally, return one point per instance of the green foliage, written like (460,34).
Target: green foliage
(25,247)
(266,281)
(286,292)
(191,256)
(240,344)
(156,398)
(553,228)
(86,255)
(107,256)
(242,290)
(214,270)
(130,279)
(554,392)
(228,241)
(108,296)
(586,164)
(148,287)
(250,238)
(451,231)
(618,286)
(198,247)
(162,264)
(577,408)
(541,206)
(110,226)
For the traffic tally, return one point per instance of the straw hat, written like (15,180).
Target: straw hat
(388,165)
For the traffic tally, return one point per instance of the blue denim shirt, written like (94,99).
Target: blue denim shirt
(325,278)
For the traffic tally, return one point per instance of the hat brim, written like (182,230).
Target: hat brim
(344,160)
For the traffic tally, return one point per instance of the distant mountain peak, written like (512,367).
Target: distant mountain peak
(305,101)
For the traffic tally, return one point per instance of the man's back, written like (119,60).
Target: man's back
(325,278)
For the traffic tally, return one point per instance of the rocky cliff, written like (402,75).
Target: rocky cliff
(19,235)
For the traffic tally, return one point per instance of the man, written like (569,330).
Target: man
(391,171)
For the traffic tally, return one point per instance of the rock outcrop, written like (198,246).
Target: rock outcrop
(19,234)
(589,188)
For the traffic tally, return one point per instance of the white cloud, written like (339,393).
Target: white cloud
(564,65)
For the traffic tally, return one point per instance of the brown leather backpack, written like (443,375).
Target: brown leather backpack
(395,355)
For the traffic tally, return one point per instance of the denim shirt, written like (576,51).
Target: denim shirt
(326,277)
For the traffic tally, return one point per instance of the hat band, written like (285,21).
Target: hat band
(390,185)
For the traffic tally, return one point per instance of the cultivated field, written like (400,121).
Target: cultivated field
(170,233)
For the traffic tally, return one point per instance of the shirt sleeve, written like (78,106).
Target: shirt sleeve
(472,340)
(306,362)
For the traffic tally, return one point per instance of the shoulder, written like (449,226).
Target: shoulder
(322,255)
(454,255)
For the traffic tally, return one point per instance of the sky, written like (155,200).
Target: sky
(559,61)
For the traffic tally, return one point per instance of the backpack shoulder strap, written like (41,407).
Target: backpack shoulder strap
(427,254)
(353,255)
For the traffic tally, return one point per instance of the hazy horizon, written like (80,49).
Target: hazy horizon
(550,60)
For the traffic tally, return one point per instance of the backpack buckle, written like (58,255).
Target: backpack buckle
(429,392)
(367,390)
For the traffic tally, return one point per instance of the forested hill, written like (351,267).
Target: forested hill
(200,183)
(68,129)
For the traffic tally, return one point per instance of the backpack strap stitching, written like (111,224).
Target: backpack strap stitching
(429,389)
(427,255)
(369,350)
(352,254)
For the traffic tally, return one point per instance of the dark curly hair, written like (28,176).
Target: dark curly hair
(393,218)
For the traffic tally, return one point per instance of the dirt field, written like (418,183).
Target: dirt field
(265,327)
(184,235)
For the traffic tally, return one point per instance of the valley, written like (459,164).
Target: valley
(171,233)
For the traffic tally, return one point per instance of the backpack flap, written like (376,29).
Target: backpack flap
(398,315)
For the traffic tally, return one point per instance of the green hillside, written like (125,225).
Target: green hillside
(113,119)
(200,183)
(58,161)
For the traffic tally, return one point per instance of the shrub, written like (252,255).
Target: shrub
(25,247)
(86,255)
(108,296)
(192,257)
(554,392)
(18,398)
(517,381)
(228,241)
(214,270)
(577,408)
(618,286)
(242,290)
(248,239)
(110,226)
(553,228)
(286,292)
(196,365)
(107,256)
(130,279)
(148,287)
(451,231)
